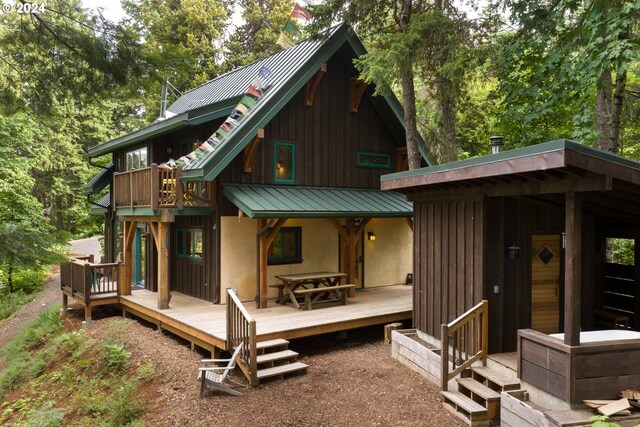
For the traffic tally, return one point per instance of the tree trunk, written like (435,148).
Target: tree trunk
(10,274)
(411,130)
(603,111)
(616,112)
(59,217)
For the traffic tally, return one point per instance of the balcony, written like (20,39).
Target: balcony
(159,187)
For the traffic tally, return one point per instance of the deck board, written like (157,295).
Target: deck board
(368,307)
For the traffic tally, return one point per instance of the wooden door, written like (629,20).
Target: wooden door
(545,282)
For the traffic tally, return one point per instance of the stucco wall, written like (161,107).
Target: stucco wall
(238,253)
(389,258)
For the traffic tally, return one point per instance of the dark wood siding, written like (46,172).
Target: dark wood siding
(448,247)
(196,278)
(327,138)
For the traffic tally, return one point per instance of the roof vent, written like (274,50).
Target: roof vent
(496,144)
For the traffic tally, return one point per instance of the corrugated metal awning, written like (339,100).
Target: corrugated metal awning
(102,205)
(100,181)
(277,201)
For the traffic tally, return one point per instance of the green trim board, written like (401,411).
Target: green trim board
(373,160)
(100,181)
(285,201)
(279,164)
(189,243)
(286,254)
(535,158)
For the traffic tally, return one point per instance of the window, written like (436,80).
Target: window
(284,163)
(286,247)
(189,243)
(187,146)
(374,160)
(137,159)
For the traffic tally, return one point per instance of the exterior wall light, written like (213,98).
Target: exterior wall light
(513,252)
(371,236)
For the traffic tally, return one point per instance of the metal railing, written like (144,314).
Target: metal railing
(241,328)
(464,341)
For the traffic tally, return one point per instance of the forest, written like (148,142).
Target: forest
(530,70)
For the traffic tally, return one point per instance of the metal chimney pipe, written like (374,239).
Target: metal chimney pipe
(496,144)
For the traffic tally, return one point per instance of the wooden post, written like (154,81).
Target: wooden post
(65,302)
(262,266)
(351,252)
(87,313)
(444,357)
(388,329)
(572,268)
(163,265)
(129,233)
(155,186)
(88,276)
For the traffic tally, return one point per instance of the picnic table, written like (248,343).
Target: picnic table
(323,286)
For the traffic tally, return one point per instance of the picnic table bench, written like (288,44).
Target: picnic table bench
(313,288)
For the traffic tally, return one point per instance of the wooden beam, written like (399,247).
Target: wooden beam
(250,151)
(262,266)
(127,272)
(361,226)
(410,223)
(154,230)
(163,266)
(356,90)
(312,85)
(340,228)
(572,268)
(529,188)
(274,230)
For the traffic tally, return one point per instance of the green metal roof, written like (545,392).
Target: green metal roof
(99,181)
(279,201)
(104,202)
(290,71)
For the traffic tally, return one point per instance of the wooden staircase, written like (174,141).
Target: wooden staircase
(477,400)
(275,360)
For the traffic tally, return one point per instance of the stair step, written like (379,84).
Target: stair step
(279,355)
(281,370)
(478,389)
(463,404)
(262,345)
(491,376)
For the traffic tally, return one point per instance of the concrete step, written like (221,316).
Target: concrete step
(491,379)
(277,356)
(282,370)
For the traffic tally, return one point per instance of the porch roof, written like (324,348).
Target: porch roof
(104,202)
(610,184)
(272,201)
(100,180)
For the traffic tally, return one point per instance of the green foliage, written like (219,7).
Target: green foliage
(602,421)
(623,251)
(114,355)
(89,379)
(20,363)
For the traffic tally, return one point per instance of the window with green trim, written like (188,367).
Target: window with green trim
(284,162)
(374,160)
(137,159)
(286,247)
(189,242)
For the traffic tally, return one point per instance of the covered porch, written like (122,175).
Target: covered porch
(538,223)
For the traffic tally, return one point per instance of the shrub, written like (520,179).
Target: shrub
(125,408)
(45,416)
(114,355)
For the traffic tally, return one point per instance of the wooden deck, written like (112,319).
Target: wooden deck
(204,324)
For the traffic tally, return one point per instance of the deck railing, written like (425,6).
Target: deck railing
(464,341)
(160,187)
(90,281)
(241,328)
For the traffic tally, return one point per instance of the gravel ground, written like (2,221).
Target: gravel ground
(351,382)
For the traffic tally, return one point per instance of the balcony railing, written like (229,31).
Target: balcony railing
(90,281)
(158,187)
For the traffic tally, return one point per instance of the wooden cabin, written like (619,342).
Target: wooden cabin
(293,188)
(527,231)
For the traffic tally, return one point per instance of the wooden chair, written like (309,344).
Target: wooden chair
(216,376)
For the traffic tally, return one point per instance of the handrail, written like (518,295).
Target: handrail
(241,327)
(467,338)
(85,279)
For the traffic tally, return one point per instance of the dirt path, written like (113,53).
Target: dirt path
(48,296)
